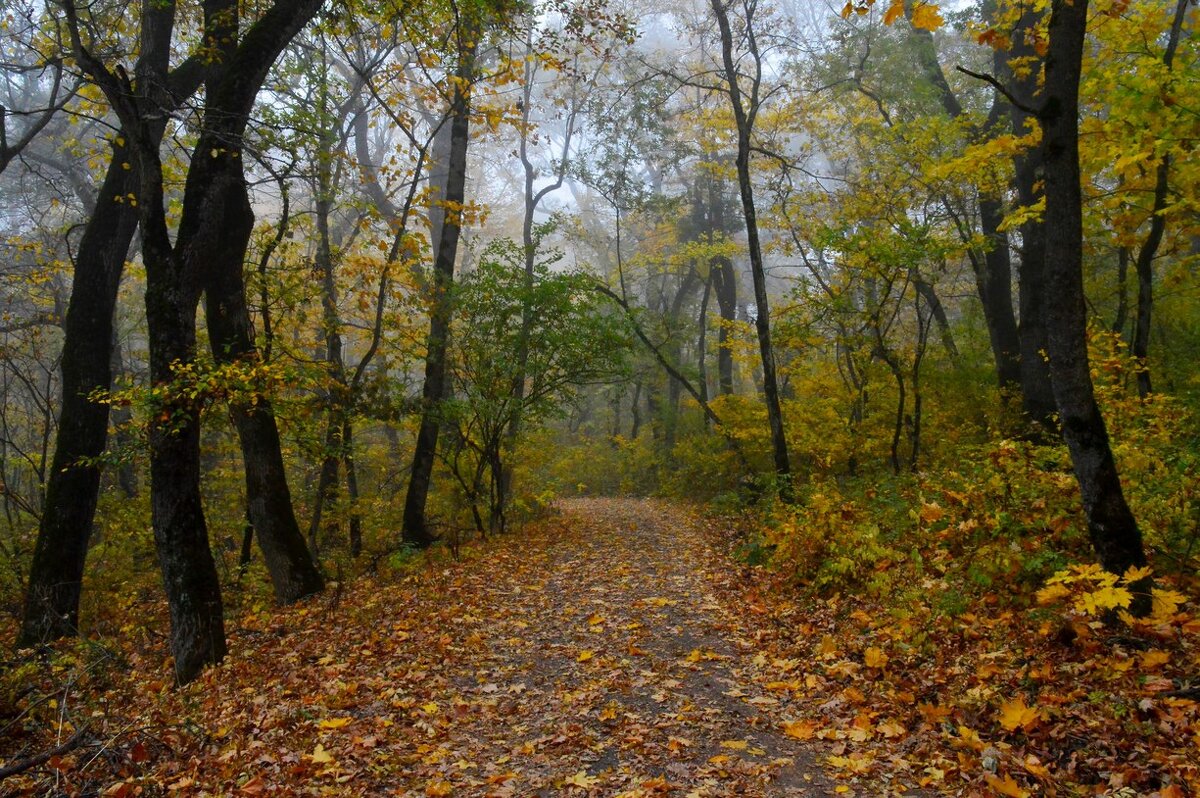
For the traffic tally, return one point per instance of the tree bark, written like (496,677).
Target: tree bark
(744,116)
(415,529)
(1037,395)
(993,267)
(725,283)
(1114,531)
(215,247)
(56,573)
(1158,223)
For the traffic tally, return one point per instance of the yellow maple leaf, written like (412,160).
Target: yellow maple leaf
(1052,593)
(581,779)
(1166,603)
(736,745)
(334,723)
(799,729)
(875,657)
(894,11)
(1015,715)
(320,756)
(439,789)
(1006,786)
(584,656)
(927,17)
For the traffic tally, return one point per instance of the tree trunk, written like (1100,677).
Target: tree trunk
(725,283)
(744,116)
(416,530)
(294,574)
(993,267)
(56,572)
(1158,222)
(121,419)
(1037,395)
(1114,532)
(702,342)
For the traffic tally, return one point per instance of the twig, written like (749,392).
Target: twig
(22,765)
(1000,87)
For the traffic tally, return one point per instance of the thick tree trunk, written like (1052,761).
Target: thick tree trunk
(293,572)
(416,530)
(1114,532)
(995,292)
(56,572)
(180,532)
(1037,395)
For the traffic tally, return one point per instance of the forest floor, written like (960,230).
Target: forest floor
(598,652)
(615,648)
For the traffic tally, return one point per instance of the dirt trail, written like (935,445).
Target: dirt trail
(616,669)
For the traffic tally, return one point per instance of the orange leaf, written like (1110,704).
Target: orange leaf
(799,729)
(894,11)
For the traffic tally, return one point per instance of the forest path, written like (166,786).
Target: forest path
(612,666)
(608,650)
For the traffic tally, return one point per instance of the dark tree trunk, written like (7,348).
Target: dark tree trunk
(56,572)
(929,294)
(1114,532)
(1158,222)
(212,244)
(121,419)
(352,487)
(744,114)
(725,283)
(1122,316)
(635,410)
(294,574)
(1037,395)
(995,292)
(993,267)
(416,530)
(702,342)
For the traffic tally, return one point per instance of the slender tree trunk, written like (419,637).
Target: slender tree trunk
(928,293)
(725,282)
(1158,223)
(1114,532)
(352,487)
(744,116)
(416,531)
(121,419)
(995,291)
(702,342)
(635,410)
(1122,317)
(993,267)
